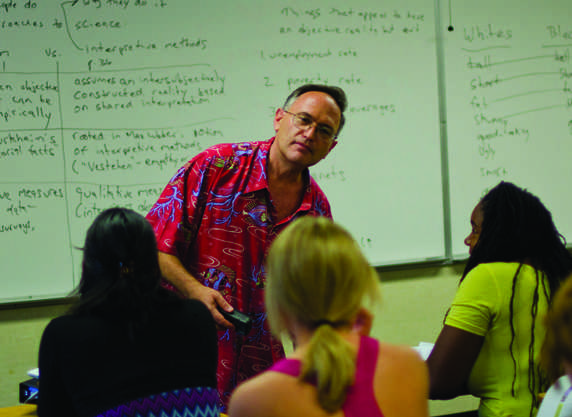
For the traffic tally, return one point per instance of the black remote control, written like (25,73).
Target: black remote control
(241,321)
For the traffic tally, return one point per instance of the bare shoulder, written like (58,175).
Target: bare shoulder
(398,361)
(400,353)
(277,395)
(258,396)
(401,382)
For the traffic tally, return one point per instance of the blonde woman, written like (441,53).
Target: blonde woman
(317,282)
(556,354)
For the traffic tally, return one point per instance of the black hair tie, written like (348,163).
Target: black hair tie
(333,324)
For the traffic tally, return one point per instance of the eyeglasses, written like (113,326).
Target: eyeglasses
(305,121)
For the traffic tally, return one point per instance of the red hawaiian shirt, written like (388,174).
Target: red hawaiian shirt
(215,215)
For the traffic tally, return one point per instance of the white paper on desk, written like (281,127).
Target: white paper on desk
(424,349)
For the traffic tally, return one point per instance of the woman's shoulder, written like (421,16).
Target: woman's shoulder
(55,327)
(501,273)
(496,273)
(169,301)
(72,320)
(399,356)
(401,381)
(494,266)
(500,267)
(264,394)
(174,309)
(70,327)
(401,363)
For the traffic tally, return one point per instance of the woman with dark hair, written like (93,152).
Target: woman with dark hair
(127,346)
(490,343)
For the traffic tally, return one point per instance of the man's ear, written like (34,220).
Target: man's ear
(278,116)
(333,145)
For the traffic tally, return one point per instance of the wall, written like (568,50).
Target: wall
(20,332)
(96,110)
(400,318)
(508,103)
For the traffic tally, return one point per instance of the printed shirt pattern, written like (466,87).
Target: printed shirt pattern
(188,402)
(223,240)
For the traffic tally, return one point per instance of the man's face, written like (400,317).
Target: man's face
(306,146)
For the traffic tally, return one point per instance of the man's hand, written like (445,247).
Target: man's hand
(174,272)
(212,298)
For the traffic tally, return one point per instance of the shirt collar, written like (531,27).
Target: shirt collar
(257,176)
(259,179)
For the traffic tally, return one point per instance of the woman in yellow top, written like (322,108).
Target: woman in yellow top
(492,335)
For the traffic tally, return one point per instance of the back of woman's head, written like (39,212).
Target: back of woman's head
(318,276)
(120,265)
(557,345)
(517,227)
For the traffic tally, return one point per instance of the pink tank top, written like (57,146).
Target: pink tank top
(360,400)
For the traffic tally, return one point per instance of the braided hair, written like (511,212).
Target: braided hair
(517,227)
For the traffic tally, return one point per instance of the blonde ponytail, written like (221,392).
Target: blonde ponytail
(329,363)
(318,276)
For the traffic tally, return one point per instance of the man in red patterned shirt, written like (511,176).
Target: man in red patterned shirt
(218,215)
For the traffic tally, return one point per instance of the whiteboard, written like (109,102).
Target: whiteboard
(508,83)
(102,100)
